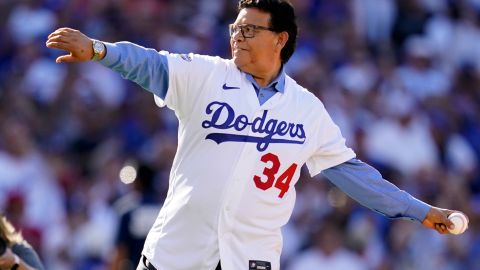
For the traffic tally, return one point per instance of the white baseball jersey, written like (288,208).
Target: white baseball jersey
(232,184)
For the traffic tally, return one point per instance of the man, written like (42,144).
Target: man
(245,130)
(137,210)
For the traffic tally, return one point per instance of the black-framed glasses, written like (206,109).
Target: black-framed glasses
(247,30)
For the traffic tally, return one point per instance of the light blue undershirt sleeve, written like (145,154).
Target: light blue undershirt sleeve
(366,185)
(146,67)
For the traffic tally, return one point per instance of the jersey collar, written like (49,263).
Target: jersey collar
(278,84)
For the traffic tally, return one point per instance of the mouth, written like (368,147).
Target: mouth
(238,50)
(235,48)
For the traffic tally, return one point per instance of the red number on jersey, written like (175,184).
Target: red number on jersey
(282,183)
(269,172)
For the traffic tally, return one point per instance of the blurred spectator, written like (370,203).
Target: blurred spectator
(137,212)
(328,251)
(27,184)
(29,20)
(358,75)
(410,19)
(402,140)
(419,76)
(15,252)
(373,20)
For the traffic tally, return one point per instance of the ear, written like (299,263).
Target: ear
(282,39)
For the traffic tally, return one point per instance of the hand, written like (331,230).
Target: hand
(437,219)
(7,260)
(73,41)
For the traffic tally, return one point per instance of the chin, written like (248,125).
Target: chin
(240,61)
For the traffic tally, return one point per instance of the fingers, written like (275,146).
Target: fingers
(444,223)
(61,31)
(65,58)
(57,38)
(58,45)
(73,41)
(64,35)
(437,219)
(441,228)
(449,224)
(447,221)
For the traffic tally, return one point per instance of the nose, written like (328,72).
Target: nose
(237,35)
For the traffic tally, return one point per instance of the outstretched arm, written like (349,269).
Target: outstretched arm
(367,186)
(146,67)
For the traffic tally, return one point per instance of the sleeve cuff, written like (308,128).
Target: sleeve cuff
(112,56)
(417,210)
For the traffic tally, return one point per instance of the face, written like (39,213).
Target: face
(255,54)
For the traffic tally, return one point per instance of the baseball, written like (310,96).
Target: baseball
(460,221)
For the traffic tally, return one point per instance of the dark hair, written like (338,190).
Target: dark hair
(282,18)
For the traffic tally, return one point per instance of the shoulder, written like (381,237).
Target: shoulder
(197,65)
(194,58)
(302,94)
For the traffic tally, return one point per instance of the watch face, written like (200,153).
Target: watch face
(97,47)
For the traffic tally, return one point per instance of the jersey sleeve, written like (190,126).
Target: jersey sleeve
(176,80)
(188,76)
(330,147)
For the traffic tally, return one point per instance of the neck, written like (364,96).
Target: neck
(265,78)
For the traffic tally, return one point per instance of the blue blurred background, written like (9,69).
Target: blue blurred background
(401,78)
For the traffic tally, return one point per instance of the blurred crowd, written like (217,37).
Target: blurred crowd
(400,77)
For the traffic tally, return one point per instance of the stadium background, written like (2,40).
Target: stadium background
(401,78)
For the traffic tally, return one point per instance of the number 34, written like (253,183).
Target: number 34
(282,182)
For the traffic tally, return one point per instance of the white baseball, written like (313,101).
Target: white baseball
(460,221)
